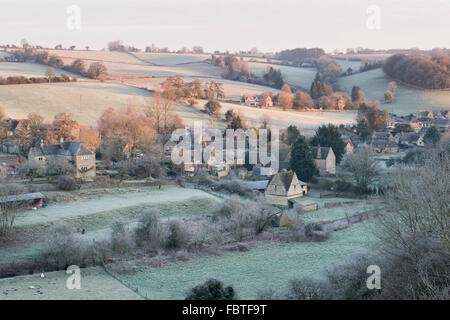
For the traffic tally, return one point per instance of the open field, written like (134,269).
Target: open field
(299,77)
(85,100)
(108,205)
(28,70)
(107,56)
(307,122)
(407,100)
(267,266)
(96,284)
(170,58)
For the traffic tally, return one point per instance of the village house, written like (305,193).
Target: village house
(349,147)
(266,101)
(11,145)
(409,139)
(325,160)
(251,101)
(284,186)
(9,165)
(383,142)
(76,153)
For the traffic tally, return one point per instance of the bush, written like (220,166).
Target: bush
(212,289)
(63,247)
(177,236)
(67,183)
(242,218)
(314,231)
(121,239)
(149,232)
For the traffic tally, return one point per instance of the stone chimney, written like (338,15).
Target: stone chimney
(42,143)
(61,142)
(319,152)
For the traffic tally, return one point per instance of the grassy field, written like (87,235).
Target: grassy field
(267,266)
(299,77)
(170,58)
(307,122)
(96,284)
(173,201)
(28,69)
(85,100)
(407,100)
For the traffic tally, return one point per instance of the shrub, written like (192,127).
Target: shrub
(67,183)
(242,218)
(121,239)
(149,232)
(63,247)
(177,236)
(211,289)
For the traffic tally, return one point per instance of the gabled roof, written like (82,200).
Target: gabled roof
(285,178)
(72,148)
(323,152)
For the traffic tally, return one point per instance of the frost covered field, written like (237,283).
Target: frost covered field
(407,100)
(28,70)
(267,266)
(299,77)
(95,284)
(170,58)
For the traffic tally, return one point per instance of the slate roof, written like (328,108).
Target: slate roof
(72,148)
(323,152)
(286,179)
(22,197)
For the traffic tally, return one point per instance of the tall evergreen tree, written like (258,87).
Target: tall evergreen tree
(329,136)
(301,161)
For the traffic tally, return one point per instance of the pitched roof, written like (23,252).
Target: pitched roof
(72,148)
(323,152)
(285,178)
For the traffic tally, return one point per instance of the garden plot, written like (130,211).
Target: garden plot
(407,100)
(267,266)
(96,284)
(109,206)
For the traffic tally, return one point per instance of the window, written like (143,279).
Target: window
(85,157)
(40,158)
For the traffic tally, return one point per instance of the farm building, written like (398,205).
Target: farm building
(284,186)
(325,160)
(78,154)
(35,200)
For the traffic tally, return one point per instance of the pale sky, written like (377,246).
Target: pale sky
(229,24)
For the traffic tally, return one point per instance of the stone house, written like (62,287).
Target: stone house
(410,139)
(76,153)
(284,186)
(325,160)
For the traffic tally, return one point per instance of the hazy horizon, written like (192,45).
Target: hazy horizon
(232,25)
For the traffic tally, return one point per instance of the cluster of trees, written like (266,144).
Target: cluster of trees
(118,45)
(299,55)
(328,69)
(94,71)
(177,88)
(274,78)
(233,120)
(50,77)
(422,71)
(370,118)
(235,68)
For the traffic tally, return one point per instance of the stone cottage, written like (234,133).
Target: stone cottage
(325,160)
(284,186)
(76,153)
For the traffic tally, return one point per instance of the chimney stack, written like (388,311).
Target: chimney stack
(319,152)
